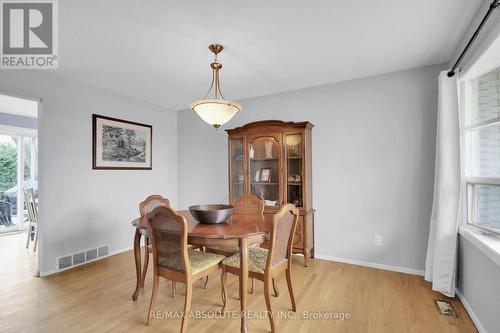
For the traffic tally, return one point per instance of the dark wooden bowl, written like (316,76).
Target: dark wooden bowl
(211,214)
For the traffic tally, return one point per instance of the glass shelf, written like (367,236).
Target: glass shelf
(294,169)
(263,159)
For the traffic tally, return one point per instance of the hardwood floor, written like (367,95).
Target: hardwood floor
(97,298)
(16,262)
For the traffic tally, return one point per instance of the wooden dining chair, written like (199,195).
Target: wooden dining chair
(244,204)
(265,265)
(146,207)
(172,259)
(249,204)
(31,206)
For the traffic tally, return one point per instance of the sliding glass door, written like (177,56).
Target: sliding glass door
(8,183)
(18,170)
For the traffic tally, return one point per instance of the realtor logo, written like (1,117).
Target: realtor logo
(29,34)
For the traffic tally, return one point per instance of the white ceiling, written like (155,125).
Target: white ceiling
(156,50)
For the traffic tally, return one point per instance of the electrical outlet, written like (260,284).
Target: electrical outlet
(377,239)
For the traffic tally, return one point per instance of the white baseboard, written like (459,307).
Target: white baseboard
(471,312)
(373,265)
(47,273)
(125,249)
(318,256)
(54,271)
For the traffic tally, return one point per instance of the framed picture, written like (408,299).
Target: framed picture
(120,144)
(265,175)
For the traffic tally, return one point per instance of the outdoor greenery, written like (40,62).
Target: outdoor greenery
(8,166)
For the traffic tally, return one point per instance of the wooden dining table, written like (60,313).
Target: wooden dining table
(242,229)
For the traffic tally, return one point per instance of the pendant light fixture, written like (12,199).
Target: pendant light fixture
(216,111)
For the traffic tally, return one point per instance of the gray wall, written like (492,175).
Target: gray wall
(373,161)
(18,121)
(479,282)
(81,208)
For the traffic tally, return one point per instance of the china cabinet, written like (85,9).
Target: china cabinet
(271,159)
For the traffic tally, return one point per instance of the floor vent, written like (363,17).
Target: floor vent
(445,308)
(64,262)
(78,258)
(103,251)
(91,254)
(83,257)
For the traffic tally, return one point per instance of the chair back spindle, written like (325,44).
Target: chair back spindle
(29,199)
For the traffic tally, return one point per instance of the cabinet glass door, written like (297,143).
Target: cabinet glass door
(264,173)
(294,172)
(237,180)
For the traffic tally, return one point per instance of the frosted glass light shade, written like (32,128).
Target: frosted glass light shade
(216,112)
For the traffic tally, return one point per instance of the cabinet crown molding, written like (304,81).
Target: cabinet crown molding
(271,123)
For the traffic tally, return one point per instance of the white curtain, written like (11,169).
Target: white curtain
(440,266)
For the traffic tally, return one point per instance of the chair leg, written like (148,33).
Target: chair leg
(205,284)
(154,293)
(275,288)
(290,289)
(145,269)
(29,236)
(267,296)
(204,249)
(187,307)
(35,242)
(251,288)
(174,289)
(223,278)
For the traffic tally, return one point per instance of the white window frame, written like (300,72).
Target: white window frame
(467,102)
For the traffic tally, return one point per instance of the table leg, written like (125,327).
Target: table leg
(137,255)
(305,245)
(243,244)
(306,257)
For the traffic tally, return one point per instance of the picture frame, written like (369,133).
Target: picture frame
(119,144)
(265,175)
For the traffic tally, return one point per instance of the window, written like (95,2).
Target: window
(481,136)
(18,147)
